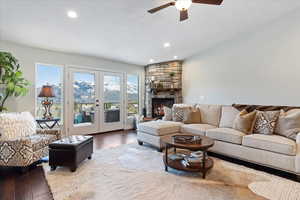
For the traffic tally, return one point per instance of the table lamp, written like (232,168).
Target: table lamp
(47,92)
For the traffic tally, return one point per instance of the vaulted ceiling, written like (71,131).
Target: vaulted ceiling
(124,31)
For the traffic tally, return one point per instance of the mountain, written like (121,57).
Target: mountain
(84,92)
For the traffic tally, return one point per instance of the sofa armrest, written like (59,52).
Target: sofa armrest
(17,152)
(297,159)
(298,139)
(56,132)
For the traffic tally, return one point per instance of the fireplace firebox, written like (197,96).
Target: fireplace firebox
(158,106)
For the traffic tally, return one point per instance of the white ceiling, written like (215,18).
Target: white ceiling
(124,31)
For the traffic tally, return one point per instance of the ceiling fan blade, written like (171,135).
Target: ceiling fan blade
(213,2)
(184,15)
(153,10)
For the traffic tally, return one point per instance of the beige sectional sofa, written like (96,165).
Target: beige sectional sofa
(274,150)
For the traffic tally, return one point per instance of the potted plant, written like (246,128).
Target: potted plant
(12,82)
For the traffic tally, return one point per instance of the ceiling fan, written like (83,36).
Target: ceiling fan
(183,6)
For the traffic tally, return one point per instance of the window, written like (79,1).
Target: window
(50,75)
(132,94)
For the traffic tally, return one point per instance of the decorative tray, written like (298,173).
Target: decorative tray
(187,139)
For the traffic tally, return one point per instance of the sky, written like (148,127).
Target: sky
(46,74)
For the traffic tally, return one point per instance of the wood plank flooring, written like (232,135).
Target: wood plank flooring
(33,186)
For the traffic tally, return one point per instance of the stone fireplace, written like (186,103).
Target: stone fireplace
(163,87)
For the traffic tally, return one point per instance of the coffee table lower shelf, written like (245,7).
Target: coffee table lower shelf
(176,164)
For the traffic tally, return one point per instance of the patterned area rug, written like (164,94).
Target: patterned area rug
(133,172)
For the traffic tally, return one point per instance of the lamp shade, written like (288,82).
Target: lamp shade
(47,91)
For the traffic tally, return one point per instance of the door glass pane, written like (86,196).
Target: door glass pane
(112,98)
(84,98)
(132,94)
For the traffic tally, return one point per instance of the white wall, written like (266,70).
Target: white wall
(28,57)
(256,68)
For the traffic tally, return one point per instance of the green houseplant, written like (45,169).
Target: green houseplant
(12,82)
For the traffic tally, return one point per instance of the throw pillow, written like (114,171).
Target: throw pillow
(178,111)
(17,125)
(210,114)
(244,121)
(265,122)
(287,121)
(192,116)
(168,114)
(228,115)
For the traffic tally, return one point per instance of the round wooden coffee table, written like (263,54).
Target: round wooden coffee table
(207,163)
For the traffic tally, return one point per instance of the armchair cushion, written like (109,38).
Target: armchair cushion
(24,151)
(40,141)
(16,125)
(55,132)
(16,152)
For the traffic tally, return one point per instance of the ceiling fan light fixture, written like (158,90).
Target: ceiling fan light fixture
(183,4)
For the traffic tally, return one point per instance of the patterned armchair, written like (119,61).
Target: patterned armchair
(23,151)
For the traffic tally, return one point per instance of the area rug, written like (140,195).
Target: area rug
(132,172)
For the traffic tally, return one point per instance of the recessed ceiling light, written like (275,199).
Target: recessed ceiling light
(175,57)
(72,14)
(151,60)
(167,44)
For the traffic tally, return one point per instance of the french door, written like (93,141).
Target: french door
(95,101)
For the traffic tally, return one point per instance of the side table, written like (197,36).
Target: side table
(54,121)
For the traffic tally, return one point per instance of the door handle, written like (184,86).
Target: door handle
(97,103)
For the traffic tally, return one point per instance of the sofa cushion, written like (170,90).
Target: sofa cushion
(210,114)
(274,143)
(226,135)
(228,115)
(16,125)
(160,127)
(287,121)
(178,111)
(244,122)
(265,122)
(199,129)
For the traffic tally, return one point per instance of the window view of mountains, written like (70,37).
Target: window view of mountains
(84,92)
